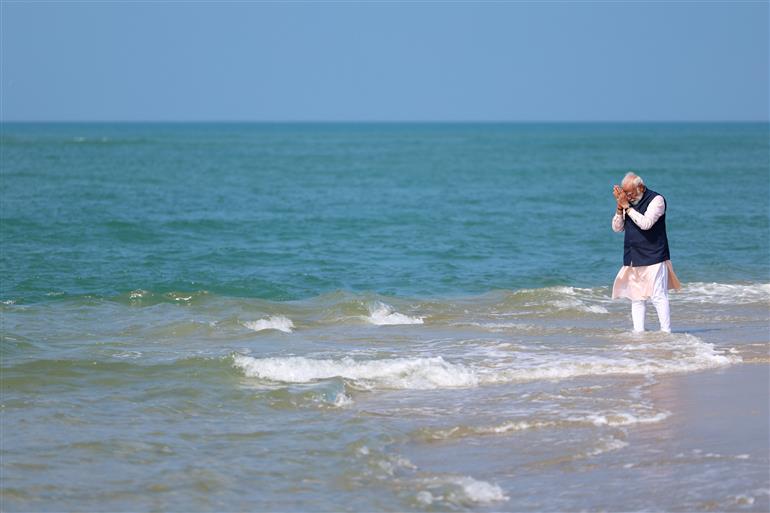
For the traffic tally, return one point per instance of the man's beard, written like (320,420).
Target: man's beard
(635,201)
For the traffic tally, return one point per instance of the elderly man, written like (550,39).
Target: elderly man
(647,272)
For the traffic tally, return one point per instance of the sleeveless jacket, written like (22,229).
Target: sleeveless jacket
(645,247)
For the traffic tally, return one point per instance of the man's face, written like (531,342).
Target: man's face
(633,194)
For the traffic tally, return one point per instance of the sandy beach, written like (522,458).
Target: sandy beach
(720,415)
(716,440)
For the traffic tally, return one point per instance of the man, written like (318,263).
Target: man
(647,271)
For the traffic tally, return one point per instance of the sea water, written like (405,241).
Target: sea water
(360,317)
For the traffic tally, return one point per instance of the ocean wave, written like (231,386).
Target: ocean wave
(342,307)
(456,432)
(383,314)
(676,354)
(447,490)
(141,297)
(458,491)
(395,373)
(329,394)
(560,296)
(127,354)
(605,445)
(618,419)
(275,322)
(580,306)
(724,293)
(609,419)
(685,353)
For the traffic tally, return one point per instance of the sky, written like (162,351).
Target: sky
(384,61)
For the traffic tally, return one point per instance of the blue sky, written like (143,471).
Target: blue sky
(386,61)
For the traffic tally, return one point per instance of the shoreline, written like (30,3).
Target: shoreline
(718,434)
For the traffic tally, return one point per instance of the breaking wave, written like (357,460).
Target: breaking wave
(725,293)
(395,373)
(458,491)
(383,314)
(275,322)
(685,353)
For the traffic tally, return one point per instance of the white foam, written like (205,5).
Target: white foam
(570,291)
(576,304)
(137,294)
(459,490)
(660,355)
(743,500)
(612,419)
(724,293)
(616,419)
(466,489)
(607,445)
(424,497)
(275,322)
(342,400)
(128,354)
(677,354)
(391,464)
(394,373)
(459,431)
(563,290)
(382,314)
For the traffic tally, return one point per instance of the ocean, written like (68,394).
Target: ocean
(374,317)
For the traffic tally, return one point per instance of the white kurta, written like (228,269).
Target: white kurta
(642,282)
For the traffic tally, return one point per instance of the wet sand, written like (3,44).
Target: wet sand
(718,435)
(711,454)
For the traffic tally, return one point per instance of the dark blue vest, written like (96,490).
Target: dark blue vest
(645,247)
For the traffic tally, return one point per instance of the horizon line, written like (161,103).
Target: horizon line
(379,121)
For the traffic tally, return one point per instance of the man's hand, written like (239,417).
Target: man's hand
(617,192)
(620,197)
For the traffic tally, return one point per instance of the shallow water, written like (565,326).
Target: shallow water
(208,404)
(376,317)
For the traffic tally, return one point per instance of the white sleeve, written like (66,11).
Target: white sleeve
(655,209)
(618,223)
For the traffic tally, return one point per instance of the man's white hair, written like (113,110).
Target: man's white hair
(633,179)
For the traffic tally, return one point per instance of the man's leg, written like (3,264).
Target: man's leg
(660,299)
(638,309)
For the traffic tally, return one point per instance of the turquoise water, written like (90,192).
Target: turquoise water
(402,317)
(293,211)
